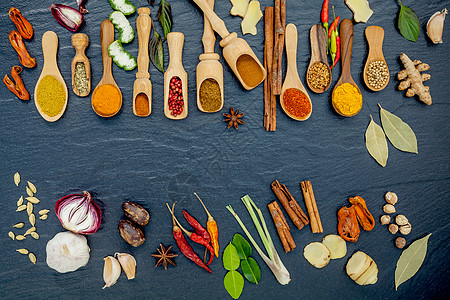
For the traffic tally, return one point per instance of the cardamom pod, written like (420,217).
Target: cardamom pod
(32,257)
(35,235)
(43,217)
(19,225)
(32,219)
(33,200)
(44,211)
(32,187)
(20,201)
(29,192)
(22,251)
(17,178)
(20,237)
(30,230)
(21,208)
(11,235)
(29,208)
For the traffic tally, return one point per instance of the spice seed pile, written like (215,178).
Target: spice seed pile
(318,76)
(377,74)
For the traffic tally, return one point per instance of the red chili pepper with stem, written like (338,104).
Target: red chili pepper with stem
(324,15)
(338,51)
(211,226)
(198,228)
(183,245)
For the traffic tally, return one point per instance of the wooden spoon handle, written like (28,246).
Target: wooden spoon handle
(106,38)
(291,48)
(49,48)
(144,25)
(175,42)
(318,39)
(346,33)
(217,24)
(208,39)
(375,37)
(80,41)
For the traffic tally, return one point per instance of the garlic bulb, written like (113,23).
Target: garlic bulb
(67,251)
(435,26)
(128,264)
(111,271)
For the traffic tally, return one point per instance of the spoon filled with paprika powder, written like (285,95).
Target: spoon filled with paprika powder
(294,98)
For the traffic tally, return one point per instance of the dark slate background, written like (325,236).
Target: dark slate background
(155,160)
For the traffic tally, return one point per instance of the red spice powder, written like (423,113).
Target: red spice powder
(296,103)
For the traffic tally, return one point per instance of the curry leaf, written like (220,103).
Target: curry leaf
(376,143)
(230,258)
(251,270)
(165,17)
(408,23)
(411,260)
(242,246)
(234,283)
(156,50)
(398,132)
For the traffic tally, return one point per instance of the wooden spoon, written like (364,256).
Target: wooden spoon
(346,32)
(292,80)
(375,36)
(175,42)
(235,49)
(106,38)
(49,49)
(80,41)
(142,84)
(319,39)
(209,66)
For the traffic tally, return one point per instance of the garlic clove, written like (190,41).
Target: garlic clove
(435,26)
(128,264)
(111,271)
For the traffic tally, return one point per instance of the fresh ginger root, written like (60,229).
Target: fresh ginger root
(413,80)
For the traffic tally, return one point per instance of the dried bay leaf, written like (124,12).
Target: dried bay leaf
(234,283)
(230,258)
(411,260)
(376,143)
(17,178)
(398,132)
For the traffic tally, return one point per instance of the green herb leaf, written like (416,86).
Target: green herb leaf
(376,143)
(242,246)
(156,51)
(408,23)
(234,283)
(230,258)
(411,260)
(251,270)
(398,132)
(165,17)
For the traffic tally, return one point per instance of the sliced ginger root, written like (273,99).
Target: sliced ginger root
(239,7)
(317,254)
(252,17)
(361,10)
(413,80)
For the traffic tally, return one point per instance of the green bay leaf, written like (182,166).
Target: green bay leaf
(408,23)
(398,132)
(165,17)
(230,258)
(234,283)
(242,246)
(251,270)
(376,143)
(156,51)
(411,260)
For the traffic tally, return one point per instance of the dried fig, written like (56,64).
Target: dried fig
(136,213)
(132,234)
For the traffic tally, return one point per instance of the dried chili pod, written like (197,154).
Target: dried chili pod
(363,215)
(23,26)
(18,88)
(16,41)
(198,228)
(348,224)
(67,16)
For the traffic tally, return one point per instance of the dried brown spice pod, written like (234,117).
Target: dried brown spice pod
(136,213)
(132,234)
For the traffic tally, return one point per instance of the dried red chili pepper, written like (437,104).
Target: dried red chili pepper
(324,14)
(338,51)
(213,231)
(183,245)
(363,215)
(348,224)
(16,41)
(23,26)
(18,88)
(198,228)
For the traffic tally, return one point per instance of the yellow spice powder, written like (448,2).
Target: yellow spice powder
(347,99)
(51,95)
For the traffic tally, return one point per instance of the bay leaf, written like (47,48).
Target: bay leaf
(230,258)
(242,246)
(165,17)
(376,143)
(234,283)
(398,132)
(411,260)
(251,270)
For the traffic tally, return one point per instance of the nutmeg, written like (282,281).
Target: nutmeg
(393,228)
(132,234)
(400,242)
(391,197)
(401,220)
(136,213)
(385,219)
(405,229)
(389,208)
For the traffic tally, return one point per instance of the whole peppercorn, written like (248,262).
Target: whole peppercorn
(405,229)
(389,208)
(400,242)
(385,219)
(393,228)
(391,198)
(401,220)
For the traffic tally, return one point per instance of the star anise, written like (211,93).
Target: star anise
(164,256)
(233,118)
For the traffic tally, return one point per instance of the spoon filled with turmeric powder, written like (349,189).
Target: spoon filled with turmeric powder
(294,98)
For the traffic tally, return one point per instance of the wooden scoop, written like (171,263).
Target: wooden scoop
(292,80)
(175,42)
(80,41)
(235,49)
(375,36)
(319,39)
(142,84)
(209,66)
(49,49)
(346,33)
(106,38)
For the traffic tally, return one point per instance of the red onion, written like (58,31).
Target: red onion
(67,16)
(78,213)
(82,6)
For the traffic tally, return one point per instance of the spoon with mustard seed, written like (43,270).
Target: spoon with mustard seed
(318,76)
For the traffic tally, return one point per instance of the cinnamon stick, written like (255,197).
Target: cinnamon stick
(278,31)
(291,206)
(311,205)
(282,226)
(270,113)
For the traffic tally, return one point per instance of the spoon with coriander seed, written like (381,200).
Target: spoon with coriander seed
(376,72)
(318,76)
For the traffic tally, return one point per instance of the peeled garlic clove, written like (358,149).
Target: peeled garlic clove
(111,271)
(128,264)
(435,26)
